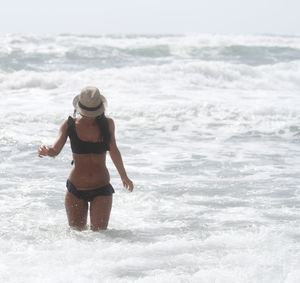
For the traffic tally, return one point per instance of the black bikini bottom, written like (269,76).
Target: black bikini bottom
(89,195)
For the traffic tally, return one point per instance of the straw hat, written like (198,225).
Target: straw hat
(90,102)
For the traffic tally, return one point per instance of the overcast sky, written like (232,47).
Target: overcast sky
(150,16)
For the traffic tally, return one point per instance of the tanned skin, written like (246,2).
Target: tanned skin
(89,172)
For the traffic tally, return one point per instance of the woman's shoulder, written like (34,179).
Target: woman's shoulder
(65,124)
(109,119)
(111,123)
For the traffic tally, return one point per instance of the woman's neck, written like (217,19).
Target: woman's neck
(87,120)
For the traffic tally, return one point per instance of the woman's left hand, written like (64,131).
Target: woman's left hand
(127,183)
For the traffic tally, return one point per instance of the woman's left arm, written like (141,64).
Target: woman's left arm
(117,158)
(58,145)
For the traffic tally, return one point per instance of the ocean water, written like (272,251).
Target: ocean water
(209,130)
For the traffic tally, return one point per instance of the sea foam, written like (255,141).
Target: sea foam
(208,127)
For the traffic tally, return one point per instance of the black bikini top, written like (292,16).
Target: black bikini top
(83,147)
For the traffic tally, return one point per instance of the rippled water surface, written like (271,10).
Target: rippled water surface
(208,127)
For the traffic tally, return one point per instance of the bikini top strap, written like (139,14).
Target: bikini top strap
(71,122)
(71,127)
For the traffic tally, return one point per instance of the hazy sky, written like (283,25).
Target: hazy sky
(150,16)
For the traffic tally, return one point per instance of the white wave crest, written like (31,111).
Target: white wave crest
(177,75)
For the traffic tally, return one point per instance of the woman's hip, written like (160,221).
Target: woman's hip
(90,194)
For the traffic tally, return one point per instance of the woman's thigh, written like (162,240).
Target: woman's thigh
(77,210)
(100,208)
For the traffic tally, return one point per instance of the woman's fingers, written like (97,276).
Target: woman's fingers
(131,186)
(127,183)
(43,151)
(40,150)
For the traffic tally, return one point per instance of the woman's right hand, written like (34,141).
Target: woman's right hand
(43,151)
(127,183)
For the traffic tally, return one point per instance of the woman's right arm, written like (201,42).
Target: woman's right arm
(59,143)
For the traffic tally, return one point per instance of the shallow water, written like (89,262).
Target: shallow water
(208,127)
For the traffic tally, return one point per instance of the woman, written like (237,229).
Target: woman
(91,135)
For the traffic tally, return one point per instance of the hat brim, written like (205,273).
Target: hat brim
(87,113)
